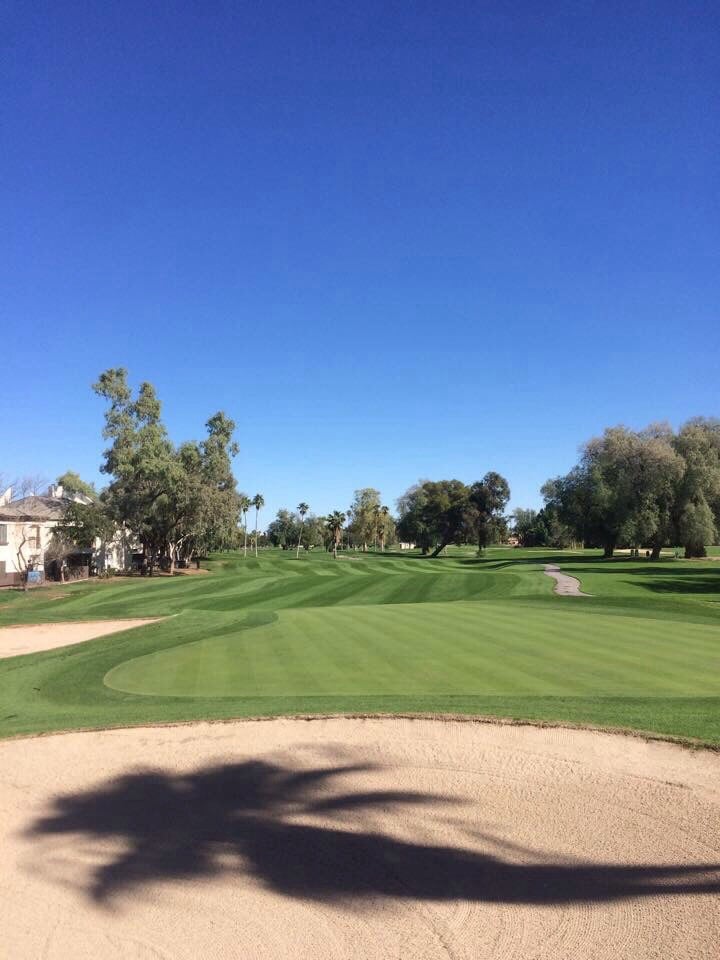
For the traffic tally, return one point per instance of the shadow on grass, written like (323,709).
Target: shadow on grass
(242,819)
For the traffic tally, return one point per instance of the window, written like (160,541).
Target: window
(34,538)
(3,534)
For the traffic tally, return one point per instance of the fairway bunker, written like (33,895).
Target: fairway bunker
(339,838)
(33,638)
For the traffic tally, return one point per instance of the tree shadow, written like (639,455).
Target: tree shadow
(242,818)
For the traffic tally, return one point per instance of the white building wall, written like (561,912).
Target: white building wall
(31,539)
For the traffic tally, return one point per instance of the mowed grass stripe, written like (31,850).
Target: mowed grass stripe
(456,648)
(386,632)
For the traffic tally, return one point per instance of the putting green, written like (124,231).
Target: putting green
(381,633)
(439,648)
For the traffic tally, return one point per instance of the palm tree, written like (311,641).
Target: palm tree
(334,522)
(384,511)
(258,502)
(244,507)
(302,510)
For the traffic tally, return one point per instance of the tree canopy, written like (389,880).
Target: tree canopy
(435,513)
(650,487)
(72,483)
(177,500)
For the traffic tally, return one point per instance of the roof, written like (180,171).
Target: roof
(35,508)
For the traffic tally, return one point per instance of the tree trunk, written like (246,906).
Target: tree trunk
(297,555)
(256,530)
(245,531)
(655,553)
(439,549)
(694,550)
(608,550)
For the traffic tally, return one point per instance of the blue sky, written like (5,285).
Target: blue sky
(391,240)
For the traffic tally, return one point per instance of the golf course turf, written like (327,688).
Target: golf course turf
(382,633)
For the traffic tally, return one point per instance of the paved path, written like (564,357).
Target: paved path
(565,586)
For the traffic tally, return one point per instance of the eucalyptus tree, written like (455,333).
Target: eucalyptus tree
(334,523)
(171,498)
(302,510)
(258,502)
(139,458)
(363,514)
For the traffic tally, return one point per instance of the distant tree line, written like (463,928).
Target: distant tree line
(366,523)
(651,488)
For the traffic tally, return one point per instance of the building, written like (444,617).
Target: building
(26,541)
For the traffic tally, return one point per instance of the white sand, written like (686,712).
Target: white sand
(48,636)
(370,839)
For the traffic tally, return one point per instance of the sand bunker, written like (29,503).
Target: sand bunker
(47,636)
(348,838)
(565,586)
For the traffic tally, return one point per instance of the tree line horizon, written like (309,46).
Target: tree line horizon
(649,488)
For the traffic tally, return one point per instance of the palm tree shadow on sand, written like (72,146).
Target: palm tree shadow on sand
(240,817)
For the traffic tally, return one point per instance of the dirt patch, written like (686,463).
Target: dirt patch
(565,586)
(47,636)
(343,838)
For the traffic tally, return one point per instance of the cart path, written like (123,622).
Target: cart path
(565,586)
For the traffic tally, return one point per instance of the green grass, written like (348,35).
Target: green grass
(383,633)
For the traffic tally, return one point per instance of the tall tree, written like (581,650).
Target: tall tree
(363,515)
(412,525)
(258,502)
(244,503)
(697,508)
(385,524)
(334,523)
(173,499)
(437,513)
(601,496)
(302,510)
(139,458)
(489,497)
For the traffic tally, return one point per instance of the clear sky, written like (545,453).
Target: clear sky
(391,239)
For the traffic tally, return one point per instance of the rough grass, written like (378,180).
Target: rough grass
(383,633)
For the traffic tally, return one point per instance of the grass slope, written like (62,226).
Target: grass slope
(388,633)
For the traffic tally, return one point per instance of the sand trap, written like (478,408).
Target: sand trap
(565,586)
(357,838)
(48,636)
